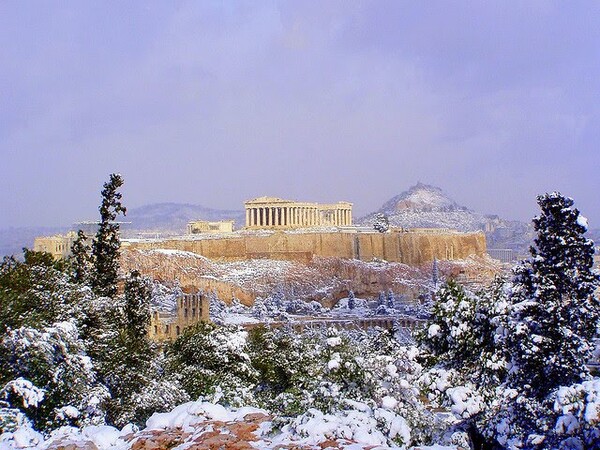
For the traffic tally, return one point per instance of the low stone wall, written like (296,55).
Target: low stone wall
(411,248)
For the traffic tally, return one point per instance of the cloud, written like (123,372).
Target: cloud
(214,103)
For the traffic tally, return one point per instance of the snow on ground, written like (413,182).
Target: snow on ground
(214,426)
(242,272)
(171,252)
(238,319)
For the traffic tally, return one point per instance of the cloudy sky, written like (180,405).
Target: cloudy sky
(214,103)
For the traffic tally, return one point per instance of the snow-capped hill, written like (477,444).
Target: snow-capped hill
(421,197)
(426,206)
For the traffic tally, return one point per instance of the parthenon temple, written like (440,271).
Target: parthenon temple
(271,212)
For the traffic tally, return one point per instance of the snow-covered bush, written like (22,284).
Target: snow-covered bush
(464,331)
(38,291)
(578,409)
(53,381)
(381,222)
(206,358)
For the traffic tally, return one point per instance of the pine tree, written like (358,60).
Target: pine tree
(555,313)
(435,274)
(462,332)
(105,248)
(81,258)
(351,300)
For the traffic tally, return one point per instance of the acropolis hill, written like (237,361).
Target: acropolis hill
(298,231)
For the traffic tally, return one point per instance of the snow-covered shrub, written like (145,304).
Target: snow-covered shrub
(381,222)
(463,331)
(38,292)
(578,410)
(16,430)
(206,357)
(216,309)
(272,307)
(358,422)
(155,397)
(50,372)
(297,306)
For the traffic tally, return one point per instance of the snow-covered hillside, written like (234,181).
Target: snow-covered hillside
(426,206)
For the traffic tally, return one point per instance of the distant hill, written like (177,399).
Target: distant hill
(426,206)
(173,217)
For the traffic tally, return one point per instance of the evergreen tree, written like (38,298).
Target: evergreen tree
(390,299)
(555,313)
(463,330)
(138,293)
(381,299)
(81,258)
(381,223)
(351,300)
(36,292)
(105,248)
(435,274)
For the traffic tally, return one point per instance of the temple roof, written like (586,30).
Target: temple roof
(269,200)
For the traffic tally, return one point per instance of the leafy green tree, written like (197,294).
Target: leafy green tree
(106,245)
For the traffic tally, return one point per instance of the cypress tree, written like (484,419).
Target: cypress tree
(80,258)
(137,306)
(351,300)
(105,248)
(390,299)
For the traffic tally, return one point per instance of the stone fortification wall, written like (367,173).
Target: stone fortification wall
(411,248)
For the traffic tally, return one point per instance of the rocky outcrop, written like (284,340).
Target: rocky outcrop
(414,248)
(322,279)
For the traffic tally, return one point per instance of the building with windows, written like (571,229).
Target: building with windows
(190,309)
(59,245)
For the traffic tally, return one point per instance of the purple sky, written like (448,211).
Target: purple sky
(215,103)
